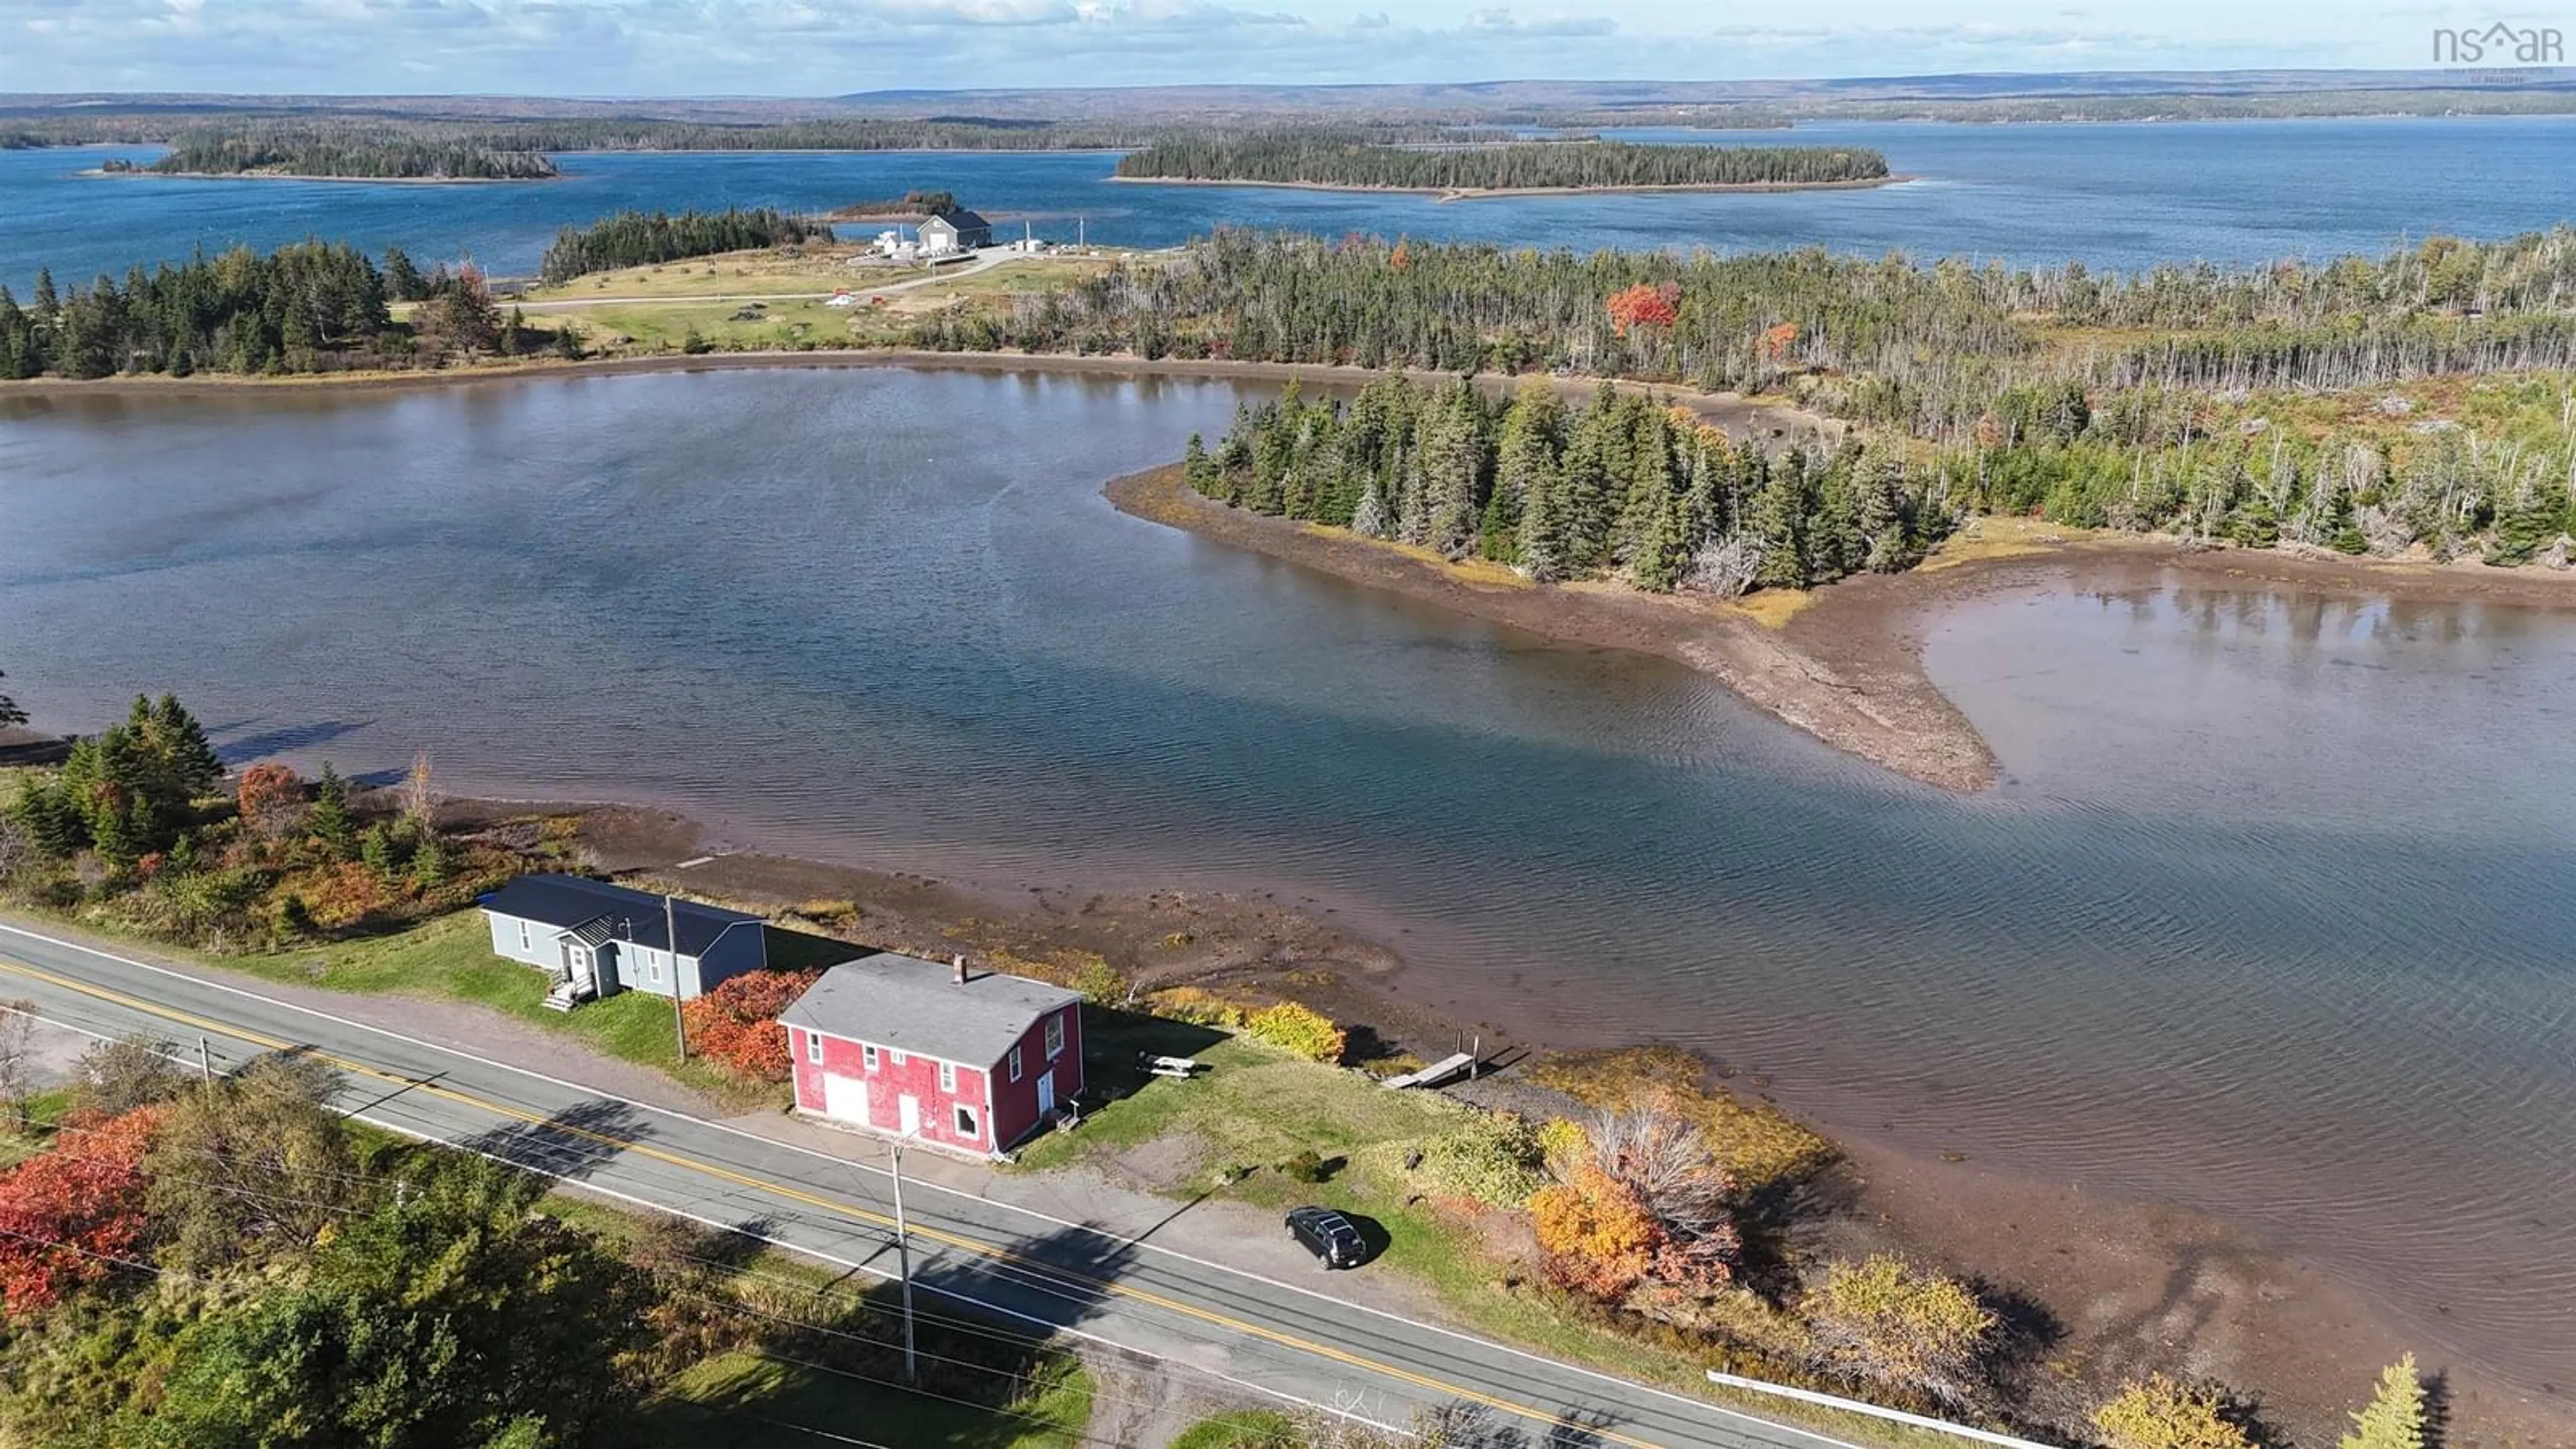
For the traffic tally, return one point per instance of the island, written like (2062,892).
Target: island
(1341,160)
(340,154)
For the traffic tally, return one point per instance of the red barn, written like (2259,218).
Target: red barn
(898,1045)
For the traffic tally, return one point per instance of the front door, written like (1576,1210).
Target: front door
(1046,1092)
(907,1116)
(845,1099)
(579,966)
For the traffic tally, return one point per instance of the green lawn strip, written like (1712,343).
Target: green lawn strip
(750,1398)
(1251,1429)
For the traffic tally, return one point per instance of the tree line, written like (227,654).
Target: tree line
(1345,158)
(370,151)
(1620,485)
(636,238)
(306,307)
(1928,347)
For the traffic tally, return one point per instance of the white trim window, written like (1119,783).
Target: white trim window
(523,937)
(1015,1061)
(1055,1036)
(814,1047)
(967,1126)
(894,1057)
(868,1057)
(948,1076)
(652,968)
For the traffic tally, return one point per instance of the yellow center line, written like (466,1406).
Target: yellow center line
(741,1179)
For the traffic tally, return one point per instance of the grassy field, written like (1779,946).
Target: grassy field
(775,300)
(1254,1429)
(751,1400)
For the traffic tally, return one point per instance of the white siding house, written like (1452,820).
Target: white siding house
(596,939)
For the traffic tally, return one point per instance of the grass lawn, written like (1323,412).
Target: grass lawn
(451,956)
(751,1399)
(1252,1429)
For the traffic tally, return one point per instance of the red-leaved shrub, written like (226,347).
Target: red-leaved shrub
(737,1023)
(67,1214)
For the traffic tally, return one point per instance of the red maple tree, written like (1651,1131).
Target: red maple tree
(1645,305)
(68,1214)
(737,1023)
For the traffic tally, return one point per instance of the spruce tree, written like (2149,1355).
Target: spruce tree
(2395,1418)
(329,821)
(402,279)
(1369,520)
(1545,553)
(194,766)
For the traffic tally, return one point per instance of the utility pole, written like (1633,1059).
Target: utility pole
(671,933)
(205,1061)
(903,1265)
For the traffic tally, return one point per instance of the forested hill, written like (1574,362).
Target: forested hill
(1330,158)
(344,151)
(635,238)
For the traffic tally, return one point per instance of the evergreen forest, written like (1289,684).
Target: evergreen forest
(635,238)
(1317,157)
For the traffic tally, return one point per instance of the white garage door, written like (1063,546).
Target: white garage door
(845,1098)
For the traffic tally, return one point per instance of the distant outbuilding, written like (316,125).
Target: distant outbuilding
(955,230)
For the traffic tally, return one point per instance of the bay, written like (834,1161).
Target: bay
(2115,195)
(2268,917)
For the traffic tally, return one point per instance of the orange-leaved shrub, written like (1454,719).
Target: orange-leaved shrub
(737,1023)
(1598,1236)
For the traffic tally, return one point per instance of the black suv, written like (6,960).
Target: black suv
(1328,1235)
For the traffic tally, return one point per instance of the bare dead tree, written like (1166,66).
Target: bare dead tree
(17,1069)
(418,802)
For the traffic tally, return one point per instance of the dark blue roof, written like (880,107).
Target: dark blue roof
(569,902)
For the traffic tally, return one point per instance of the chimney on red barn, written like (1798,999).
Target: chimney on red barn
(960,963)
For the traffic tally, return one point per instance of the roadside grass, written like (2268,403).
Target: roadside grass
(749,1398)
(1251,1429)
(451,956)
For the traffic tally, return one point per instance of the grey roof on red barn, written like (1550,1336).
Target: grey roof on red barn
(572,902)
(912,1005)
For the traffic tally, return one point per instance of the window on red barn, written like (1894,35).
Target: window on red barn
(948,1076)
(814,1047)
(1015,1063)
(966,1122)
(868,1058)
(1055,1036)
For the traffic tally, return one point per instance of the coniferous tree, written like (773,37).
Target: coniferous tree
(330,821)
(2395,1417)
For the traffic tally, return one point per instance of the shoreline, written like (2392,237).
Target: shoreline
(1911,729)
(102,173)
(1842,662)
(1729,409)
(1447,194)
(2133,1284)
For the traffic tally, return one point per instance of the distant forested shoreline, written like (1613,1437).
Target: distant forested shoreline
(353,152)
(1306,157)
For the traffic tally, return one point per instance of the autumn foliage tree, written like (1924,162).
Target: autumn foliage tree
(737,1023)
(1598,1237)
(67,1215)
(1897,1326)
(2159,1412)
(271,798)
(1646,304)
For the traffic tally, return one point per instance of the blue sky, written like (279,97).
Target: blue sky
(823,47)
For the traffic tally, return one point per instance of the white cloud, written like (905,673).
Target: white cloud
(818,47)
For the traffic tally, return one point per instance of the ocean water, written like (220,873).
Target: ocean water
(2120,195)
(2269,915)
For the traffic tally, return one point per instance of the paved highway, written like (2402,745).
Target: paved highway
(1203,1321)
